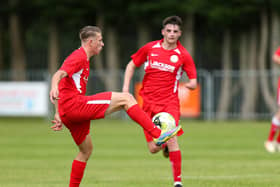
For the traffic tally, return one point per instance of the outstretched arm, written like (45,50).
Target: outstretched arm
(129,71)
(54,93)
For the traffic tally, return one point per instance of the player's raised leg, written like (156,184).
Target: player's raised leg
(127,102)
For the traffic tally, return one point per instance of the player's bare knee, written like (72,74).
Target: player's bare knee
(128,97)
(153,151)
(123,98)
(131,99)
(153,148)
(87,153)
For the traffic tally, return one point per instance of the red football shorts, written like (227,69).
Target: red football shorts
(83,110)
(153,109)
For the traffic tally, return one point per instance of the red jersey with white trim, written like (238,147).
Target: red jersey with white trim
(77,67)
(163,70)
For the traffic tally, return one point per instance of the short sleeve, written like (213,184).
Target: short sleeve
(72,65)
(141,55)
(189,66)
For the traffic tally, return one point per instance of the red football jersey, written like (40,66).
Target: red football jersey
(77,67)
(163,70)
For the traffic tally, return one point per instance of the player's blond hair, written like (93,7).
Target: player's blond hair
(88,31)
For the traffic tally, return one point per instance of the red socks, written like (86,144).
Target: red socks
(272,132)
(77,173)
(176,162)
(140,117)
(278,139)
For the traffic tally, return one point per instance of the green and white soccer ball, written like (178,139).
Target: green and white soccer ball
(164,121)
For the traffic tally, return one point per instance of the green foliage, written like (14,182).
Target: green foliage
(225,13)
(275,5)
(153,12)
(230,14)
(215,154)
(211,18)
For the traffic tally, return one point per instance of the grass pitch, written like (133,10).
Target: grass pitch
(215,154)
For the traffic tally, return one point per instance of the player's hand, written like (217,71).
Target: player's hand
(188,86)
(54,95)
(192,84)
(57,123)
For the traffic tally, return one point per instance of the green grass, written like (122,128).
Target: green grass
(215,154)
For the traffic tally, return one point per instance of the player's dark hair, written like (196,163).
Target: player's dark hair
(88,31)
(174,20)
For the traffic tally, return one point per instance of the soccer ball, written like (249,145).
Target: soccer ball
(164,121)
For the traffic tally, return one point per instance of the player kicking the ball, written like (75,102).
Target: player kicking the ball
(75,110)
(164,62)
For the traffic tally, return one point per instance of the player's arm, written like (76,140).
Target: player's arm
(129,71)
(56,121)
(190,69)
(191,84)
(276,58)
(54,84)
(54,93)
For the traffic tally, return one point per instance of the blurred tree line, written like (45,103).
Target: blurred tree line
(224,35)
(233,34)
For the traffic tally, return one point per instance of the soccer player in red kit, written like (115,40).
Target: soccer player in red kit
(164,62)
(271,145)
(75,110)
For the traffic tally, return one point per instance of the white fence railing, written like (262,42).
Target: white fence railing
(211,88)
